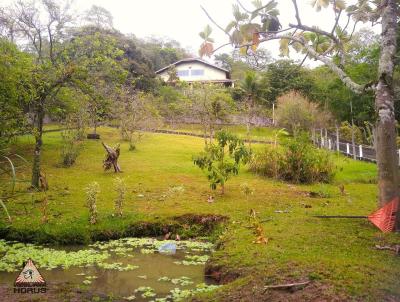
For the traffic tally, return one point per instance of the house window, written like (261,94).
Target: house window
(197,72)
(182,73)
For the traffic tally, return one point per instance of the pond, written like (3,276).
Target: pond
(138,269)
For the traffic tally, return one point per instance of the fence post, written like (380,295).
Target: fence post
(337,139)
(313,136)
(361,151)
(329,144)
(322,137)
(347,148)
(326,138)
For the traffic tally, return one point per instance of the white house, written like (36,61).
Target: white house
(197,70)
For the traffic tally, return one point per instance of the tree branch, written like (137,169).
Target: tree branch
(356,88)
(215,23)
(336,22)
(297,12)
(241,5)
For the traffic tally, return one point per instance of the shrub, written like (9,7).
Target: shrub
(222,159)
(296,113)
(70,147)
(92,190)
(345,133)
(296,161)
(120,188)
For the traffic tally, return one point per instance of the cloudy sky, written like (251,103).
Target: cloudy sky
(182,20)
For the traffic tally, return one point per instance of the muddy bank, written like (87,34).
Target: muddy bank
(186,226)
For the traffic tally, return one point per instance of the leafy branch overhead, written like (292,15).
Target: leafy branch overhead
(252,26)
(206,47)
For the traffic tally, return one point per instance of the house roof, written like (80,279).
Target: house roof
(188,60)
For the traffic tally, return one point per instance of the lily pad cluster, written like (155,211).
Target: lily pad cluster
(13,255)
(194,260)
(149,245)
(182,281)
(175,294)
(147,291)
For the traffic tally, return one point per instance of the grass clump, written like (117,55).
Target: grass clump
(297,161)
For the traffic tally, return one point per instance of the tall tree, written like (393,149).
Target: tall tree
(59,59)
(15,67)
(283,76)
(253,90)
(99,17)
(261,24)
(211,105)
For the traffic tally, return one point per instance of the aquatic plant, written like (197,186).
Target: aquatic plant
(193,260)
(178,294)
(14,254)
(147,291)
(130,298)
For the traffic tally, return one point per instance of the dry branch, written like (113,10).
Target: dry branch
(111,158)
(292,286)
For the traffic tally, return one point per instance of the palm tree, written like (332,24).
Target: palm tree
(253,91)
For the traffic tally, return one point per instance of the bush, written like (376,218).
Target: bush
(296,161)
(92,191)
(222,159)
(296,113)
(345,133)
(120,188)
(70,148)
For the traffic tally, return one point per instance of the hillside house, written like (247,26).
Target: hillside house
(197,70)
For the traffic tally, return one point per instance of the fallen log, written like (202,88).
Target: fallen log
(291,286)
(395,248)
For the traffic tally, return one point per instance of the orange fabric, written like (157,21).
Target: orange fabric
(385,217)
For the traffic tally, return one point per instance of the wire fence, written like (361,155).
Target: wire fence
(333,142)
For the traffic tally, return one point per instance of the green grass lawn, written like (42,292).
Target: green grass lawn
(256,133)
(338,255)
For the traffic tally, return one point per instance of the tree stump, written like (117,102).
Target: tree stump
(111,158)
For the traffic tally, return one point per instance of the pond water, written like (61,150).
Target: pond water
(139,269)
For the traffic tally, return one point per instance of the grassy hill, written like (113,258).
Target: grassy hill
(338,256)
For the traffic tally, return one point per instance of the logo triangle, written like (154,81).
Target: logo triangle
(30,276)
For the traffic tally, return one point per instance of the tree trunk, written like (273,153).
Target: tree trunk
(38,132)
(388,178)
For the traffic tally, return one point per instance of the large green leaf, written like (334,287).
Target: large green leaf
(284,47)
(247,31)
(318,4)
(231,25)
